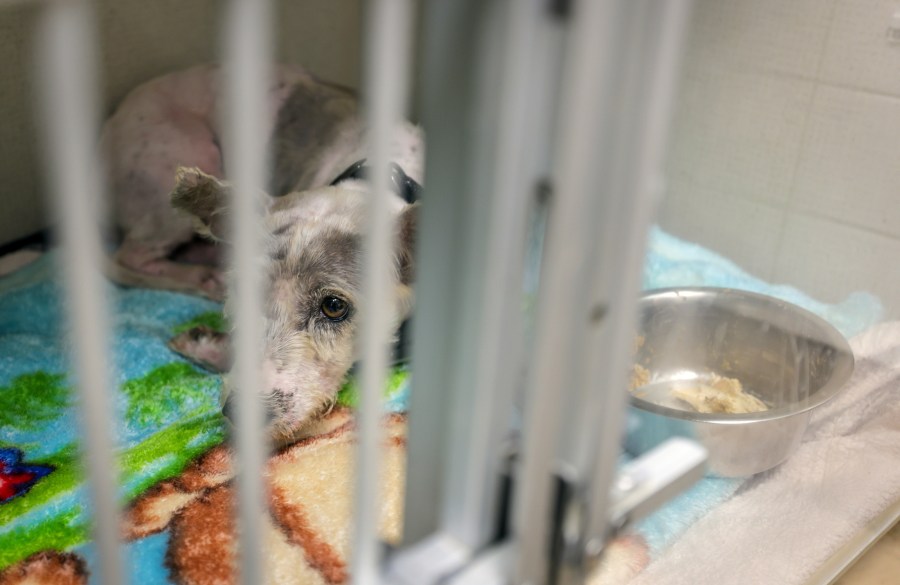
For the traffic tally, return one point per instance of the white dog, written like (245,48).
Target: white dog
(314,221)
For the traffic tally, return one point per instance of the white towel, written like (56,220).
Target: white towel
(781,526)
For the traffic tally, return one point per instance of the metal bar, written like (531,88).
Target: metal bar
(623,46)
(247,55)
(506,184)
(449,105)
(562,308)
(429,562)
(445,84)
(651,480)
(487,152)
(68,81)
(491,568)
(487,222)
(385,85)
(664,25)
(447,73)
(595,398)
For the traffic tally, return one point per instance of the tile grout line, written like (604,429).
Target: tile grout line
(863,90)
(788,76)
(848,224)
(789,201)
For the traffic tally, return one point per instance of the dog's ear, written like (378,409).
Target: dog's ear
(204,198)
(407,229)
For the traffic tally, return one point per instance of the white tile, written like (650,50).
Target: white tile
(742,230)
(740,133)
(849,167)
(759,35)
(829,260)
(857,53)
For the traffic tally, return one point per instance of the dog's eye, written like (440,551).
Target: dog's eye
(335,308)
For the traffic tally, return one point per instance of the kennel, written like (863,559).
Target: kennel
(550,159)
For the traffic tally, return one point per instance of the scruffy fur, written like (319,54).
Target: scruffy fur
(314,231)
(313,249)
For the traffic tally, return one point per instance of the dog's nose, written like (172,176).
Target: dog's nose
(228,411)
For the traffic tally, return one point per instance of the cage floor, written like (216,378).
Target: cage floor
(872,557)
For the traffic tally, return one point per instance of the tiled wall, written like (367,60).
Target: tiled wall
(786,143)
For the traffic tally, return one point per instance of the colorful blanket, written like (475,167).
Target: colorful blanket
(175,477)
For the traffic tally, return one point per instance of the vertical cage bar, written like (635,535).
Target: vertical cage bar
(662,26)
(446,85)
(562,308)
(68,81)
(490,73)
(587,396)
(384,91)
(506,182)
(247,55)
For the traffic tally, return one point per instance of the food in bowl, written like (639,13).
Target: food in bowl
(640,376)
(720,395)
(713,394)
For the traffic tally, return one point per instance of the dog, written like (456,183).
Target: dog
(170,199)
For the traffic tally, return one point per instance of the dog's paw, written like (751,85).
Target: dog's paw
(213,284)
(205,347)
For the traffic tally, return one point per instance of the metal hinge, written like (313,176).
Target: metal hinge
(641,486)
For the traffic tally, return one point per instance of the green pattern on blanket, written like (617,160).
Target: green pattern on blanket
(32,400)
(56,533)
(169,450)
(173,411)
(394,386)
(169,388)
(215,320)
(160,456)
(172,414)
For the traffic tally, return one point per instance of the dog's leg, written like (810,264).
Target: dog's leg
(163,124)
(153,231)
(145,263)
(205,347)
(200,251)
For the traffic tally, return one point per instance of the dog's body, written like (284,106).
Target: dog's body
(173,121)
(315,230)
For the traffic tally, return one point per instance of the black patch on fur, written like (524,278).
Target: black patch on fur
(280,254)
(277,404)
(403,185)
(312,116)
(281,230)
(406,244)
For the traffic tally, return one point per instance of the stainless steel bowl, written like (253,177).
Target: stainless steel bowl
(788,357)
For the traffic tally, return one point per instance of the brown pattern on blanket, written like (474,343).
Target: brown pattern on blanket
(46,568)
(308,528)
(307,531)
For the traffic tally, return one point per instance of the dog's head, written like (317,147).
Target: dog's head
(312,277)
